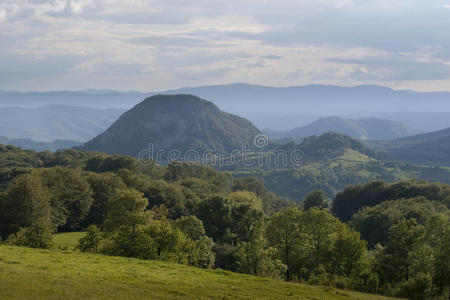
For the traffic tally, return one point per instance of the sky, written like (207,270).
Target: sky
(153,45)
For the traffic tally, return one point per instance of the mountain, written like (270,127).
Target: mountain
(280,108)
(86,98)
(262,103)
(53,122)
(425,121)
(39,146)
(429,148)
(363,128)
(174,122)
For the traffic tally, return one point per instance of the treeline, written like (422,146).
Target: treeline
(391,239)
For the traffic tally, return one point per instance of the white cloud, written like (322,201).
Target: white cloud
(2,15)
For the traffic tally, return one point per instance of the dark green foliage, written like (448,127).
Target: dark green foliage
(26,202)
(104,187)
(353,198)
(315,198)
(113,163)
(374,222)
(90,242)
(71,196)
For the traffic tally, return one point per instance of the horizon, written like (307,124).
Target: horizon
(106,90)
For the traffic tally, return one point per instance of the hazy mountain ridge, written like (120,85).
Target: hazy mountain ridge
(273,107)
(52,122)
(363,128)
(182,122)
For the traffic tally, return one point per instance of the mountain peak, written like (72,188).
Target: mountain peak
(179,122)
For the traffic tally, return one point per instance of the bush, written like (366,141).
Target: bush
(34,236)
(90,242)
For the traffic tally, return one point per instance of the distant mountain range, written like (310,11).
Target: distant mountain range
(174,122)
(28,144)
(429,148)
(363,128)
(280,108)
(53,122)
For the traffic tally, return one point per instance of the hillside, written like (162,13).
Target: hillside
(178,122)
(334,174)
(429,148)
(52,122)
(364,128)
(50,274)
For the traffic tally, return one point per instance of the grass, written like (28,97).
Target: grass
(53,274)
(67,240)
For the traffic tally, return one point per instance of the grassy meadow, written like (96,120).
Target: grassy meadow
(55,274)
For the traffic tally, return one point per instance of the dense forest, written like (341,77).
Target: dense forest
(378,237)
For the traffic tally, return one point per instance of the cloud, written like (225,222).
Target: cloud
(271,56)
(395,67)
(167,41)
(129,43)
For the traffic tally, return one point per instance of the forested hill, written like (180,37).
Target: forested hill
(429,148)
(181,122)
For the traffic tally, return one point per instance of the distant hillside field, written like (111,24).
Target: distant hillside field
(50,274)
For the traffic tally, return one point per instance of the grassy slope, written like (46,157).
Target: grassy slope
(50,274)
(67,240)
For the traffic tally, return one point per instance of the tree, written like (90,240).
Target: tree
(319,230)
(245,197)
(257,258)
(104,187)
(284,234)
(26,202)
(393,264)
(90,242)
(374,222)
(71,196)
(192,227)
(127,209)
(437,234)
(215,213)
(349,254)
(315,198)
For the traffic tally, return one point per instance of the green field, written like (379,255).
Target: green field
(67,240)
(53,274)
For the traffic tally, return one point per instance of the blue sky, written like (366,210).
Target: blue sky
(162,44)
